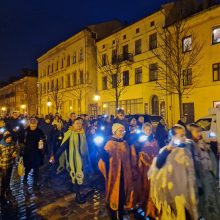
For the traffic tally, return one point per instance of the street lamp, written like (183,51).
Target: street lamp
(3,109)
(96,98)
(48,105)
(71,107)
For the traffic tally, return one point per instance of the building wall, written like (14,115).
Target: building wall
(20,95)
(206,91)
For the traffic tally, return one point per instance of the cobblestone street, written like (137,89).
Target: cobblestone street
(54,200)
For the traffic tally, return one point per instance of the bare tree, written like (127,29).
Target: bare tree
(112,69)
(178,51)
(79,89)
(30,95)
(56,95)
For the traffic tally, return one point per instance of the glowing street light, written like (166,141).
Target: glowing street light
(3,109)
(96,98)
(23,106)
(49,104)
(71,107)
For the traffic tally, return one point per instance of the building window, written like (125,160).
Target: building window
(68,61)
(137,30)
(126,78)
(57,65)
(104,82)
(74,57)
(52,68)
(138,47)
(152,23)
(81,54)
(125,52)
(74,79)
(103,46)
(104,59)
(81,78)
(155,105)
(153,41)
(57,84)
(61,63)
(187,77)
(124,36)
(153,72)
(52,85)
(113,42)
(187,44)
(216,35)
(62,82)
(114,80)
(216,71)
(138,75)
(48,87)
(48,70)
(68,81)
(114,56)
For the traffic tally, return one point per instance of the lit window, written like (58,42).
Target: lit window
(216,35)
(187,44)
(216,71)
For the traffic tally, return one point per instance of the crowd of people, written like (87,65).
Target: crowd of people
(154,172)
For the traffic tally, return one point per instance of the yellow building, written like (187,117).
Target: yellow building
(20,95)
(141,95)
(67,73)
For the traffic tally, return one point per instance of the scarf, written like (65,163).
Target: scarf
(77,154)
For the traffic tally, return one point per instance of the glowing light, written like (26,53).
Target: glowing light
(23,106)
(212,135)
(137,131)
(105,105)
(23,121)
(102,128)
(98,140)
(71,108)
(49,104)
(17,128)
(3,108)
(2,130)
(96,98)
(177,142)
(143,138)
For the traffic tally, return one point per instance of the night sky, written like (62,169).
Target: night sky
(28,28)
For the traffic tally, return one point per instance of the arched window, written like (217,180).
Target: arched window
(155,105)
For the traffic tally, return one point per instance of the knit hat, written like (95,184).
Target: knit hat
(116,126)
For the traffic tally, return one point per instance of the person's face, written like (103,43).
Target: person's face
(15,115)
(147,130)
(77,125)
(180,135)
(133,121)
(33,126)
(47,121)
(72,116)
(141,119)
(120,133)
(162,122)
(120,116)
(8,140)
(196,134)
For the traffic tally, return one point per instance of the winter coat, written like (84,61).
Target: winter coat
(173,186)
(145,154)
(33,157)
(161,135)
(115,166)
(6,152)
(205,164)
(77,158)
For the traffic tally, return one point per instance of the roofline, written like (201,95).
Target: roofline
(132,23)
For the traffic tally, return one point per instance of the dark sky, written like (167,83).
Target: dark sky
(28,28)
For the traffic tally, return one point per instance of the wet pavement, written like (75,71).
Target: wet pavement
(54,199)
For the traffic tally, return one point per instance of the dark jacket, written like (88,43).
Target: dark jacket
(161,135)
(33,157)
